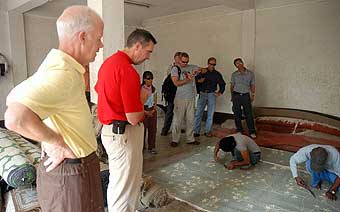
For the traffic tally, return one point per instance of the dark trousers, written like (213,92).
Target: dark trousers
(74,185)
(150,126)
(241,102)
(168,117)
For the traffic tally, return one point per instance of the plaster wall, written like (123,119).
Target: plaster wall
(292,45)
(41,37)
(216,31)
(297,55)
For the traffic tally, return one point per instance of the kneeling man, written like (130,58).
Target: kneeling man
(244,150)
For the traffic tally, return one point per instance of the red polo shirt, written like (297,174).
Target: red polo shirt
(118,89)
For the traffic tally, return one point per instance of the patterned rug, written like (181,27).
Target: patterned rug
(268,187)
(22,200)
(17,159)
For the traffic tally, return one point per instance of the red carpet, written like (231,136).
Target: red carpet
(279,134)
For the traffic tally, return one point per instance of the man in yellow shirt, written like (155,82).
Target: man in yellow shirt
(50,107)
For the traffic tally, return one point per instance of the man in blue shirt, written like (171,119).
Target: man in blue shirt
(207,88)
(322,163)
(242,88)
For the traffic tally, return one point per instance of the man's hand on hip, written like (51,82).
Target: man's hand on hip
(56,153)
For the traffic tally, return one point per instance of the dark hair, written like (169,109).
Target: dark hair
(140,35)
(184,54)
(237,59)
(147,74)
(177,54)
(211,58)
(227,144)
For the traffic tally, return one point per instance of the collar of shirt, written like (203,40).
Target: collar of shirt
(124,55)
(245,71)
(57,53)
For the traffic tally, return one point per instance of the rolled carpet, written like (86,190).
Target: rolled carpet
(17,159)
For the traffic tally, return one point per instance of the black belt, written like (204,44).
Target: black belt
(207,91)
(80,160)
(240,94)
(115,122)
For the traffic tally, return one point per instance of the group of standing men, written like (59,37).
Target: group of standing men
(51,107)
(208,83)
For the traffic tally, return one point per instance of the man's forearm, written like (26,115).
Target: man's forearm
(179,83)
(293,167)
(252,89)
(135,117)
(231,88)
(335,185)
(24,121)
(241,163)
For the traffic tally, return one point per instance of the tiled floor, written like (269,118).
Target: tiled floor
(190,173)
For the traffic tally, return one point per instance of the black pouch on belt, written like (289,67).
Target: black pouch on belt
(118,127)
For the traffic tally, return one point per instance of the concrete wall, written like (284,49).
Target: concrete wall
(6,82)
(296,45)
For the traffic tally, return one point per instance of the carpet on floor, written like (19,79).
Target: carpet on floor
(268,187)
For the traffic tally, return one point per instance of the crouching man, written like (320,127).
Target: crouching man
(244,150)
(322,163)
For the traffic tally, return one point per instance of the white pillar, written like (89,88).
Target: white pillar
(112,13)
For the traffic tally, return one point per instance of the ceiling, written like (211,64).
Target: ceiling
(134,15)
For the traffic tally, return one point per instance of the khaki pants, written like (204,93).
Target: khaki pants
(74,185)
(125,165)
(183,110)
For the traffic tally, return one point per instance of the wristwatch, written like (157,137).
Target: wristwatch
(333,192)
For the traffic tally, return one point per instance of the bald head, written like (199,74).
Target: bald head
(75,19)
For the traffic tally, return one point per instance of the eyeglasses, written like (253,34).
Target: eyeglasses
(186,62)
(213,64)
(149,78)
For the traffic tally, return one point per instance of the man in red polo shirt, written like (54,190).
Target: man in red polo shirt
(120,109)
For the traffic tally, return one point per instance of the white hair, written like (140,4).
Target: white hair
(75,19)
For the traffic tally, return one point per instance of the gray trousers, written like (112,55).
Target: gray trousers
(183,110)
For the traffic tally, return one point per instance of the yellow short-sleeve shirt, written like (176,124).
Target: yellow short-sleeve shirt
(56,93)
